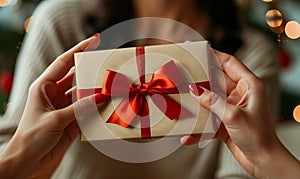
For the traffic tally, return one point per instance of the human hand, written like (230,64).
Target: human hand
(247,128)
(48,125)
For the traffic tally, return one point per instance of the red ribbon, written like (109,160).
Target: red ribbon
(166,80)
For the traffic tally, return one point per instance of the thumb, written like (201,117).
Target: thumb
(81,108)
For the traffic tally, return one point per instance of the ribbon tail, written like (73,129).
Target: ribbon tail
(145,127)
(123,115)
(142,109)
(170,107)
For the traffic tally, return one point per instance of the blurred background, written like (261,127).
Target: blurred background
(281,24)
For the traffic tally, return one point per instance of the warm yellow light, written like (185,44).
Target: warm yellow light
(297,113)
(28,23)
(4,3)
(274,18)
(292,29)
(267,0)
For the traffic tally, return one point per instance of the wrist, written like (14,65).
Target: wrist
(277,162)
(12,161)
(9,166)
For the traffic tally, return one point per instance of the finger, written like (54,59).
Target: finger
(230,84)
(80,108)
(214,103)
(67,82)
(71,94)
(221,81)
(222,133)
(232,67)
(64,62)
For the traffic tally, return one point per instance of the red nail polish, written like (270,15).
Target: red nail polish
(98,98)
(96,35)
(196,90)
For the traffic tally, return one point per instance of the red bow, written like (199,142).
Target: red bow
(164,81)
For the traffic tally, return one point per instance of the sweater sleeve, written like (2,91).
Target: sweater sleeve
(49,36)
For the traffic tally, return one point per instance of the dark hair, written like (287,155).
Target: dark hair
(223,14)
(224,19)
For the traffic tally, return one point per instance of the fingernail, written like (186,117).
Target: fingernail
(196,90)
(98,98)
(96,35)
(183,139)
(94,42)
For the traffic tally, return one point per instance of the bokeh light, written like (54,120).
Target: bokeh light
(292,29)
(267,0)
(27,23)
(4,3)
(297,113)
(274,18)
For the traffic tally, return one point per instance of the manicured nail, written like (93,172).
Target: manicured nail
(93,42)
(196,90)
(96,35)
(98,98)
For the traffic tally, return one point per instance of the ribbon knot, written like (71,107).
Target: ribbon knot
(143,88)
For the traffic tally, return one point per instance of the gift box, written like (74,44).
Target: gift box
(145,90)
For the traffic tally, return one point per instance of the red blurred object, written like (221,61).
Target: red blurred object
(6,81)
(284,58)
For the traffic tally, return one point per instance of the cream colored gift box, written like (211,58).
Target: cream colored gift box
(192,61)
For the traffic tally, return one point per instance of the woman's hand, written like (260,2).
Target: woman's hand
(247,127)
(48,125)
